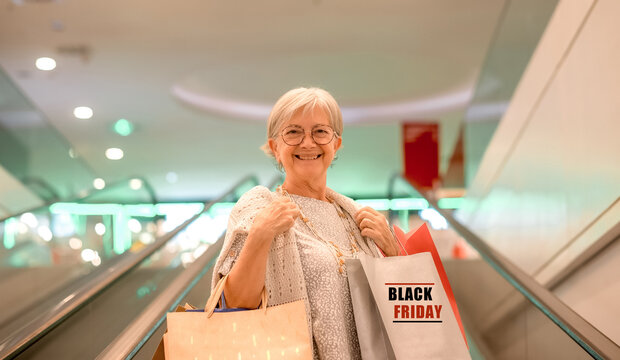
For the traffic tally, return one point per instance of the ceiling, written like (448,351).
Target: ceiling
(197,79)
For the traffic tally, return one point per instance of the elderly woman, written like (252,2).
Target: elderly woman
(293,242)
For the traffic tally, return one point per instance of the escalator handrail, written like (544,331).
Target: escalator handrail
(29,181)
(147,186)
(592,340)
(89,193)
(131,340)
(85,291)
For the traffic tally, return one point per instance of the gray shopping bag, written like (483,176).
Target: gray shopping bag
(373,339)
(401,309)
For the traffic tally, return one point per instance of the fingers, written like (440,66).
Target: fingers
(367,213)
(281,203)
(372,233)
(375,226)
(284,212)
(284,203)
(368,216)
(283,207)
(278,217)
(373,229)
(368,223)
(292,213)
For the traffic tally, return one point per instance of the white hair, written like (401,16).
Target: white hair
(304,100)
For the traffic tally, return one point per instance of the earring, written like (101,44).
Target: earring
(333,160)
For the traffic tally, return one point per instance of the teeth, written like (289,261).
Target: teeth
(308,157)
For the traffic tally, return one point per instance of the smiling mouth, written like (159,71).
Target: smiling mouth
(302,157)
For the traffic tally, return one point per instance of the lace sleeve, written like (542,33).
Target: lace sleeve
(231,257)
(239,223)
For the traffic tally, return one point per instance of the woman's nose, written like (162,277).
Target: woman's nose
(308,141)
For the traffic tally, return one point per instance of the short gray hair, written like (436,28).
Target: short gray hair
(306,100)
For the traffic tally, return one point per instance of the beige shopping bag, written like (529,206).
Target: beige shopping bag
(277,332)
(159,352)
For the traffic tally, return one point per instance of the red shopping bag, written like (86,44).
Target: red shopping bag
(419,241)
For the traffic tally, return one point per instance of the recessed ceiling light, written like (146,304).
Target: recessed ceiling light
(83,112)
(135,184)
(114,153)
(99,183)
(45,63)
(123,127)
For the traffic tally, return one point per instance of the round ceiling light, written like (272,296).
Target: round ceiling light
(135,184)
(114,153)
(83,112)
(99,183)
(45,63)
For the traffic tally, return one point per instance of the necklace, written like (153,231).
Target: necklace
(333,248)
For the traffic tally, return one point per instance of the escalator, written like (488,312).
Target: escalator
(506,314)
(64,306)
(51,248)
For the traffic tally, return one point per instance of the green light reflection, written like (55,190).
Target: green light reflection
(10,227)
(123,127)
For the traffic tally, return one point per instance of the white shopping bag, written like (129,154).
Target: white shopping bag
(401,309)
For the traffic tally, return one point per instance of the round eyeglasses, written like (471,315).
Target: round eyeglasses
(321,134)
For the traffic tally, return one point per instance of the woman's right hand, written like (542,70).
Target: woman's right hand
(247,276)
(276,218)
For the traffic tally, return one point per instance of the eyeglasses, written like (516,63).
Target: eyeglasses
(294,135)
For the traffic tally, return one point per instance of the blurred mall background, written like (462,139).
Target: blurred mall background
(129,129)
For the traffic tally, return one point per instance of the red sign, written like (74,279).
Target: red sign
(421,153)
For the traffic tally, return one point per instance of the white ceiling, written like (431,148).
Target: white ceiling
(385,62)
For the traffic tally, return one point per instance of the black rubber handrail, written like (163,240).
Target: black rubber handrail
(84,291)
(131,340)
(594,342)
(127,344)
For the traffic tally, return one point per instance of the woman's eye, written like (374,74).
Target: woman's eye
(293,132)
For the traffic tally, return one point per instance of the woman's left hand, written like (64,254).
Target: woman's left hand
(375,226)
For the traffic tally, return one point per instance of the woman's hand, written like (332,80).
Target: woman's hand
(247,276)
(276,218)
(375,226)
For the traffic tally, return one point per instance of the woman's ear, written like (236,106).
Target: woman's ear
(274,148)
(338,143)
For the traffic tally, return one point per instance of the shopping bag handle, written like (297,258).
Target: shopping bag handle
(216,294)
